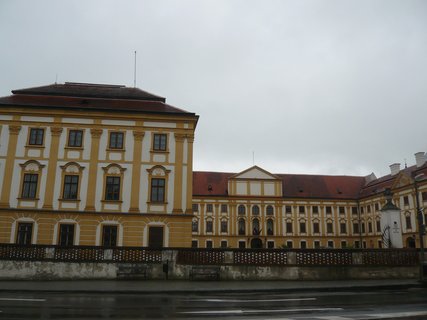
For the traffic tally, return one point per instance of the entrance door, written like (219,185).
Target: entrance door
(256,243)
(155,237)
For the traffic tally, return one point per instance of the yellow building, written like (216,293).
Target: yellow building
(88,164)
(257,209)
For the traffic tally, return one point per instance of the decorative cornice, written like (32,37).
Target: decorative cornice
(56,131)
(138,135)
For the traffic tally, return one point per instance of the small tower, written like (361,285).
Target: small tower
(391,225)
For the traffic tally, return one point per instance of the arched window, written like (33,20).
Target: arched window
(241,209)
(255,210)
(242,227)
(270,210)
(270,227)
(255,227)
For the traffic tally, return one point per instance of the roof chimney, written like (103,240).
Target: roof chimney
(420,159)
(394,168)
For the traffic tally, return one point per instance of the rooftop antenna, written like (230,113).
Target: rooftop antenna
(406,165)
(134,72)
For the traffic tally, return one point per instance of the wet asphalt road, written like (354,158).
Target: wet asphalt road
(340,305)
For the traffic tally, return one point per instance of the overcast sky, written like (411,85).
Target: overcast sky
(328,87)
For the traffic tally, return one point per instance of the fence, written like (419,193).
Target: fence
(236,257)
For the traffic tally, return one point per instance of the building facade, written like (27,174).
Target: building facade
(86,164)
(257,209)
(106,165)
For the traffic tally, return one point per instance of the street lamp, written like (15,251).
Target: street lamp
(421,226)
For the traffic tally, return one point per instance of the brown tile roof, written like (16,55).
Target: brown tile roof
(321,186)
(210,183)
(91,97)
(294,185)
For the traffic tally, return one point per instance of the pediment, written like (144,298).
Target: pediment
(402,180)
(255,173)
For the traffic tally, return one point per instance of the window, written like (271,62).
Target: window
(408,222)
(109,236)
(255,210)
(357,244)
(343,244)
(224,208)
(270,227)
(370,227)
(224,244)
(270,244)
(302,228)
(24,234)
(75,138)
(301,209)
(241,209)
(406,200)
(242,244)
(316,244)
(363,227)
(209,244)
(116,140)
(209,226)
(303,244)
(315,209)
(328,209)
(66,235)
(316,227)
(209,207)
(288,209)
(36,137)
(194,244)
(289,244)
(159,142)
(195,207)
(362,210)
(112,188)
(343,228)
(288,227)
(255,227)
(157,190)
(424,195)
(242,227)
(270,210)
(224,226)
(356,228)
(368,208)
(380,244)
(29,186)
(354,210)
(378,223)
(330,244)
(71,186)
(195,226)
(341,210)
(329,227)
(377,207)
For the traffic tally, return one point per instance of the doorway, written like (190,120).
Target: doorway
(155,237)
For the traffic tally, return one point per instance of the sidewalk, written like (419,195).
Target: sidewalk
(183,286)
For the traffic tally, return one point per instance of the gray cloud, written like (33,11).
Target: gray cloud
(333,87)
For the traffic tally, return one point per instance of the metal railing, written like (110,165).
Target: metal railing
(226,256)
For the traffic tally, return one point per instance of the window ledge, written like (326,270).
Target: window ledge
(74,148)
(111,201)
(156,203)
(69,200)
(27,199)
(34,146)
(159,151)
(115,150)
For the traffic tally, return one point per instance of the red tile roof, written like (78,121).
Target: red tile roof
(91,97)
(307,186)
